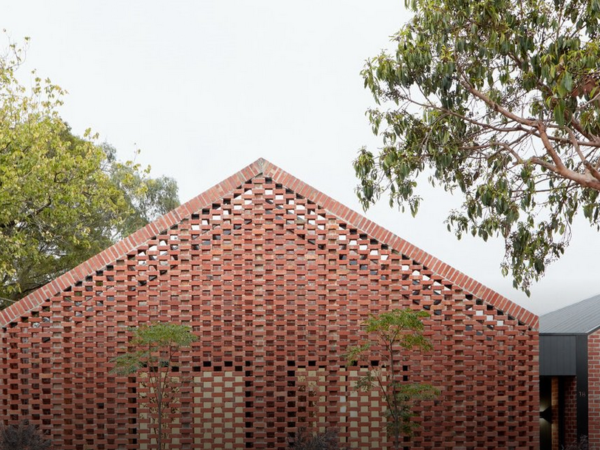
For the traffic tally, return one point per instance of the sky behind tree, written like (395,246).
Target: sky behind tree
(204,88)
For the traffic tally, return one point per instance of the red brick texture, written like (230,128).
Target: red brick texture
(555,414)
(571,411)
(275,278)
(594,388)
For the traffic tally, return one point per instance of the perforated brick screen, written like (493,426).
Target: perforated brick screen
(276,288)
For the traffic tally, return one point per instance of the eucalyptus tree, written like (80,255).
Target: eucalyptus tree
(498,101)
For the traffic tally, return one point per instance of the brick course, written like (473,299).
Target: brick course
(276,287)
(570,411)
(555,413)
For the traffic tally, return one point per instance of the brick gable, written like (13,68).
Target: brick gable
(275,278)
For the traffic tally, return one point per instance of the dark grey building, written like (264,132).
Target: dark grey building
(569,371)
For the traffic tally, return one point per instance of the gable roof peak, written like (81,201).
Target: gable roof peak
(260,163)
(214,195)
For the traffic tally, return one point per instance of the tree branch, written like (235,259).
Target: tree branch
(495,106)
(589,168)
(585,180)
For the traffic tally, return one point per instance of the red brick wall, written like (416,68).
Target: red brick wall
(594,388)
(276,288)
(555,413)
(570,411)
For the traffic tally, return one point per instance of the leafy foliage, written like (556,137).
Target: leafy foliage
(155,346)
(62,198)
(22,437)
(154,349)
(500,101)
(392,336)
(146,198)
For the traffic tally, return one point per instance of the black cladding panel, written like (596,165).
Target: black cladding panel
(558,355)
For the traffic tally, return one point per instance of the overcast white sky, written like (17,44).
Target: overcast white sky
(204,88)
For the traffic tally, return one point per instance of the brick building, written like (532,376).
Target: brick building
(275,278)
(570,375)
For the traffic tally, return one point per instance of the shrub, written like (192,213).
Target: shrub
(305,440)
(22,437)
(581,445)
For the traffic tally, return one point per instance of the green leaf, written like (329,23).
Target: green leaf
(567,82)
(559,113)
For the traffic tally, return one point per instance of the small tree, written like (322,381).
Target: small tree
(155,348)
(391,336)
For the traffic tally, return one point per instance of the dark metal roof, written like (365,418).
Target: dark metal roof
(580,318)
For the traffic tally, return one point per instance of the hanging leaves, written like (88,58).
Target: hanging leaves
(500,101)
